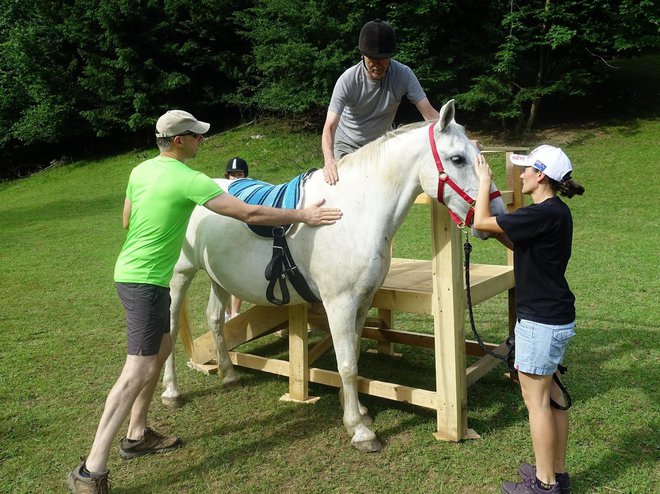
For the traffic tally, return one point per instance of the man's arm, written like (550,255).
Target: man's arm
(426,109)
(328,146)
(126,214)
(314,215)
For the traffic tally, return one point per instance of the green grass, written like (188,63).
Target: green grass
(63,345)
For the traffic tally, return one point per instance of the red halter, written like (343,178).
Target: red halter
(443,179)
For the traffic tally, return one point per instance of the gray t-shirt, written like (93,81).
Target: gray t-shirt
(368,107)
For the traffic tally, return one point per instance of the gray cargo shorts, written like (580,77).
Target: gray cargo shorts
(147,310)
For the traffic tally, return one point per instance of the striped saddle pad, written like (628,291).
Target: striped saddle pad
(286,195)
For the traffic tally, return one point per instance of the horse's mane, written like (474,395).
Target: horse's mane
(370,151)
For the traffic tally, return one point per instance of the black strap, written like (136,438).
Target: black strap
(282,268)
(567,397)
(509,358)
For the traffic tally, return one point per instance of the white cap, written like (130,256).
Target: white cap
(552,161)
(176,122)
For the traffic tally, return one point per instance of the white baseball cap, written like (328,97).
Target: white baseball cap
(177,122)
(550,160)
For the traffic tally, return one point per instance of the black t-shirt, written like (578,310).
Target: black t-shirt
(542,236)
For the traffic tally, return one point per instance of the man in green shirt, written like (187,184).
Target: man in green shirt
(160,197)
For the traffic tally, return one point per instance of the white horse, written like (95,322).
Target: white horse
(345,263)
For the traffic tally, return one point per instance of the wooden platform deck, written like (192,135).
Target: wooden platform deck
(408,286)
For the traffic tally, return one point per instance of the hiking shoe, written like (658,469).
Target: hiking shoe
(94,484)
(151,442)
(528,486)
(527,471)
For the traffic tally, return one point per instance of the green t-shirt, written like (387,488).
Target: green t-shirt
(163,193)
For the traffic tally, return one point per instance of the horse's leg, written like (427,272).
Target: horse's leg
(342,317)
(360,317)
(215,316)
(179,285)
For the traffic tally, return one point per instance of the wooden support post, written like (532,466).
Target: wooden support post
(298,356)
(513,183)
(448,319)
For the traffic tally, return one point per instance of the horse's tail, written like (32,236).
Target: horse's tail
(184,328)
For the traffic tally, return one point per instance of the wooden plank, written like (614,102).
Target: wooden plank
(372,387)
(298,355)
(381,389)
(503,149)
(486,281)
(448,315)
(208,369)
(204,349)
(402,337)
(394,299)
(253,323)
(472,348)
(383,346)
(413,293)
(320,348)
(274,366)
(481,367)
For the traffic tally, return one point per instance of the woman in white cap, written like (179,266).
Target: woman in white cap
(540,236)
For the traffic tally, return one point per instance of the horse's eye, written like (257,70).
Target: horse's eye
(458,160)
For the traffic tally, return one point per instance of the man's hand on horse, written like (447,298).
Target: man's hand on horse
(330,173)
(315,215)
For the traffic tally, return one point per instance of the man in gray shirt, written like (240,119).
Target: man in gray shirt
(366,97)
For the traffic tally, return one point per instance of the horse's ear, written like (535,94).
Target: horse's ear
(446,114)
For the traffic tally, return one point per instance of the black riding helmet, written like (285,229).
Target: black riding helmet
(237,165)
(377,39)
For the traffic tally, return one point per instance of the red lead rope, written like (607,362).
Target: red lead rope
(444,178)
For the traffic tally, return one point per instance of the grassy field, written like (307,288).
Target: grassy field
(63,344)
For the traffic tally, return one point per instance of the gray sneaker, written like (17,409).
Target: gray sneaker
(528,486)
(95,484)
(151,442)
(527,471)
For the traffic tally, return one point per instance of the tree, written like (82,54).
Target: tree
(558,48)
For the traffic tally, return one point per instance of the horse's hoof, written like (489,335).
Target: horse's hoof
(232,384)
(369,446)
(172,402)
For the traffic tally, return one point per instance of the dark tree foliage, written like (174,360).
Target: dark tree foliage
(557,48)
(87,69)
(298,49)
(94,68)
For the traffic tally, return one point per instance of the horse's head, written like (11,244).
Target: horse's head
(450,176)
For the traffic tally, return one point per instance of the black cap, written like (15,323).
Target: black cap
(377,39)
(237,165)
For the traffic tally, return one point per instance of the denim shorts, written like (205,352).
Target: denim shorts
(147,310)
(540,347)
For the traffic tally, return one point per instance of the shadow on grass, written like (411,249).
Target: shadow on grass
(282,429)
(494,404)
